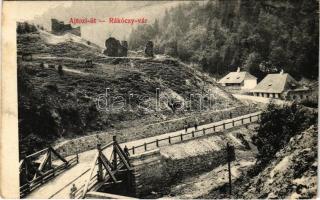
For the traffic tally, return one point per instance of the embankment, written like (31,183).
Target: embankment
(156,170)
(86,143)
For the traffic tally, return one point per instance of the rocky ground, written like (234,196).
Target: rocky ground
(55,106)
(291,175)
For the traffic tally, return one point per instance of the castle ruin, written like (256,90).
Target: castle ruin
(60,28)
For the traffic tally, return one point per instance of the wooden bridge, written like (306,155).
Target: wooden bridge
(106,173)
(40,167)
(107,167)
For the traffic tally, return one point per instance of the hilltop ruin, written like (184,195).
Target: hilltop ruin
(60,28)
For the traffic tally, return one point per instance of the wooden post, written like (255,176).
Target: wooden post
(28,187)
(230,157)
(214,128)
(132,149)
(181,137)
(26,174)
(157,142)
(114,138)
(232,123)
(229,168)
(241,121)
(145,146)
(250,118)
(192,133)
(224,125)
(100,172)
(50,158)
(169,140)
(204,131)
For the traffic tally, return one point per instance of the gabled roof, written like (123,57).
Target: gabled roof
(236,77)
(276,83)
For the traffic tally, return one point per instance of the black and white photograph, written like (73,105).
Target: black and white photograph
(214,99)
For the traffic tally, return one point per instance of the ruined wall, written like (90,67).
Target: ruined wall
(59,27)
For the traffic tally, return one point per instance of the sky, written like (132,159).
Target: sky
(27,10)
(40,12)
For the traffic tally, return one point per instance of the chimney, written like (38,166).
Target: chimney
(281,72)
(238,69)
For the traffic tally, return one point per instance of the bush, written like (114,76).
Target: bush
(278,125)
(310,103)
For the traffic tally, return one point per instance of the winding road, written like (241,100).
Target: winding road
(59,187)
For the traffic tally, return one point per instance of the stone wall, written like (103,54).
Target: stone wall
(149,172)
(82,144)
(205,162)
(154,170)
(86,143)
(157,169)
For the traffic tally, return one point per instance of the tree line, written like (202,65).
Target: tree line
(258,36)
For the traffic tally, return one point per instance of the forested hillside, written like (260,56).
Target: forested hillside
(259,36)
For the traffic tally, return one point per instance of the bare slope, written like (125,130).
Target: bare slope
(293,174)
(55,106)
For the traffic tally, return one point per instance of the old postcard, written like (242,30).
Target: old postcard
(159,99)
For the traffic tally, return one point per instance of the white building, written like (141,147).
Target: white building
(239,80)
(282,86)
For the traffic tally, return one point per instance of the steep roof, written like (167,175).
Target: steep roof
(276,83)
(236,77)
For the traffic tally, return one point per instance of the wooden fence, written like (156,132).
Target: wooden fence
(194,134)
(41,175)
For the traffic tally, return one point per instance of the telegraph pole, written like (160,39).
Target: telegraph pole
(230,157)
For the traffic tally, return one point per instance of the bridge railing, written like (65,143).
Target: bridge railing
(217,128)
(41,176)
(105,169)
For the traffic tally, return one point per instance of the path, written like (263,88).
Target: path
(59,187)
(257,99)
